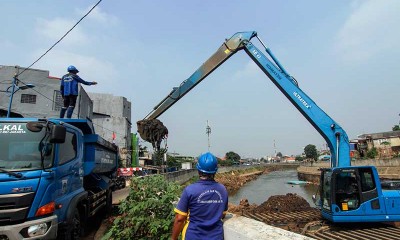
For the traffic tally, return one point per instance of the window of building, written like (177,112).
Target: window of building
(57,100)
(67,150)
(28,98)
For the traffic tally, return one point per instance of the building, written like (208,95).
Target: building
(111,115)
(289,159)
(112,118)
(386,143)
(42,101)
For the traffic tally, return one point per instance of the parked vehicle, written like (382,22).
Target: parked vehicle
(55,174)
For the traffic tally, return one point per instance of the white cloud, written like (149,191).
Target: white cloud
(250,70)
(91,68)
(372,28)
(55,29)
(98,15)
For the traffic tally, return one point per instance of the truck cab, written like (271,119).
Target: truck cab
(54,175)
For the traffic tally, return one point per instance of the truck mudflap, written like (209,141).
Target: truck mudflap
(33,228)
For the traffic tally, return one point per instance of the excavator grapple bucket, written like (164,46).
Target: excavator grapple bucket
(153,131)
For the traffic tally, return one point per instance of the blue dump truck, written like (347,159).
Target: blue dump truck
(55,174)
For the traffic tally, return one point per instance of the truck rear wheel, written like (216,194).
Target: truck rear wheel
(108,208)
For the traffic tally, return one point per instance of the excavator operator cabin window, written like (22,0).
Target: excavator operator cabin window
(347,193)
(367,179)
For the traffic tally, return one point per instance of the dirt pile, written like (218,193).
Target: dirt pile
(244,205)
(275,204)
(284,203)
(234,180)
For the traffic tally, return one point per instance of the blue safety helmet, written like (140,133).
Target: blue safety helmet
(72,69)
(207,163)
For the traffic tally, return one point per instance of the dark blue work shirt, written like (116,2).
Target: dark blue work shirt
(69,84)
(204,202)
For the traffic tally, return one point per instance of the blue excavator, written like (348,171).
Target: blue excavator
(347,193)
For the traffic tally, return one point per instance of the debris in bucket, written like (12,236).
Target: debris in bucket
(153,131)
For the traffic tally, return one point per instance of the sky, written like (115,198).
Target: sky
(344,55)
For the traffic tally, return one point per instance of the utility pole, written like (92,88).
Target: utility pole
(208,132)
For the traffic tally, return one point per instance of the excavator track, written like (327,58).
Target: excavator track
(362,231)
(279,218)
(311,224)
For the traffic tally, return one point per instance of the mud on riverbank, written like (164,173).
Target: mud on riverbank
(277,210)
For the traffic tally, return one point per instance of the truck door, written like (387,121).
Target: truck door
(69,171)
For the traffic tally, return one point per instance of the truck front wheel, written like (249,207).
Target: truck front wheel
(73,230)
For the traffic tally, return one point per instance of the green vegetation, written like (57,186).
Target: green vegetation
(173,162)
(159,156)
(311,152)
(232,156)
(372,153)
(396,128)
(147,213)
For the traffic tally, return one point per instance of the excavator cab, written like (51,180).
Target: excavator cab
(349,191)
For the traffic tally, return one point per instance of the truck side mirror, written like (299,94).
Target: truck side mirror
(58,134)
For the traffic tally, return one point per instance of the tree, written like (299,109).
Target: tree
(279,154)
(396,128)
(311,151)
(372,153)
(299,158)
(172,161)
(158,157)
(232,156)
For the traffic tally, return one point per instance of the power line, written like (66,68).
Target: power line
(60,38)
(58,104)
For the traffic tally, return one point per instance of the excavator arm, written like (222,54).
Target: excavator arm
(331,131)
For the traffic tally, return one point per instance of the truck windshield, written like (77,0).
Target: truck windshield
(20,148)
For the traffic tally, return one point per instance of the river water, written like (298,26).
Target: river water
(274,183)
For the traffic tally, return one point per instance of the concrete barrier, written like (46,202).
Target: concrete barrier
(388,169)
(183,176)
(239,227)
(395,162)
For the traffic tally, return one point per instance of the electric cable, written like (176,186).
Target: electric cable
(25,69)
(60,38)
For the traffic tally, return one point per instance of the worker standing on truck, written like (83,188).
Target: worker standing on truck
(69,90)
(203,205)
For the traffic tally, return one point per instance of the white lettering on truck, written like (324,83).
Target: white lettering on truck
(11,128)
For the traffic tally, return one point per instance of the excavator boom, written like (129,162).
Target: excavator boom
(331,131)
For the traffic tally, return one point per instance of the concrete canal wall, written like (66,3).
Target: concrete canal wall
(388,169)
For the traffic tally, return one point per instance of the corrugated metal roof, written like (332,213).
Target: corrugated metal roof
(390,134)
